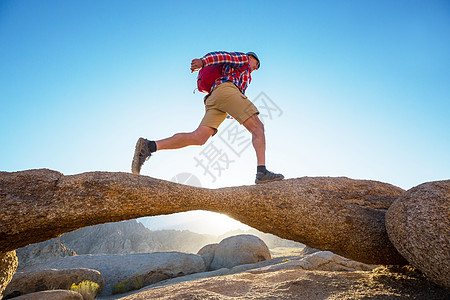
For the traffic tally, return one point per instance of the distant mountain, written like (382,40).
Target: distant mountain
(112,238)
(42,253)
(131,237)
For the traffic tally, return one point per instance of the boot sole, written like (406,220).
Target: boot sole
(135,167)
(258,181)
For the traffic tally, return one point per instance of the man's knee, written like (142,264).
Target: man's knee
(201,140)
(260,124)
(254,125)
(259,131)
(202,134)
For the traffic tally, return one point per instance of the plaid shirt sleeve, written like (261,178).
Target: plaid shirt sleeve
(235,59)
(231,61)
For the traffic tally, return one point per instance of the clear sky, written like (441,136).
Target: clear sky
(347,88)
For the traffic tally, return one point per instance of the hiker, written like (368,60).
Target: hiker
(225,97)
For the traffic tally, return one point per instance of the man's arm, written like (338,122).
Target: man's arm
(235,59)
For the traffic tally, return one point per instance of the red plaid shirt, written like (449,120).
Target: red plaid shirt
(231,61)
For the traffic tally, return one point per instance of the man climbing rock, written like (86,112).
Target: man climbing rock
(225,97)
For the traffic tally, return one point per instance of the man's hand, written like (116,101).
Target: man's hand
(196,64)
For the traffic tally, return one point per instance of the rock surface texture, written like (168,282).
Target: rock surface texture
(41,280)
(239,250)
(116,268)
(418,224)
(293,284)
(341,215)
(8,265)
(323,261)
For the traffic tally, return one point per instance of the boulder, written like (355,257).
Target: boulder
(8,265)
(320,261)
(239,250)
(40,280)
(418,224)
(207,253)
(52,295)
(342,215)
(121,269)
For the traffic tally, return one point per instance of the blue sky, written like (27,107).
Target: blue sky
(359,88)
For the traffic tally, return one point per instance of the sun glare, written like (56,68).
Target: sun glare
(198,221)
(218,224)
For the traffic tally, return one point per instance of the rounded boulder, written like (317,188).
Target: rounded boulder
(52,295)
(239,250)
(207,253)
(147,268)
(24,283)
(418,224)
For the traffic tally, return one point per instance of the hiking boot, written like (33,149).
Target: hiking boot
(141,155)
(267,177)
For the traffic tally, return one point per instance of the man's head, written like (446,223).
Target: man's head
(253,60)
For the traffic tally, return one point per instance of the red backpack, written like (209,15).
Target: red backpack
(209,74)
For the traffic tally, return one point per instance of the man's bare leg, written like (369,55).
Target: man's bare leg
(180,140)
(256,128)
(145,148)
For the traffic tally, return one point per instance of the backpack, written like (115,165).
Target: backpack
(209,74)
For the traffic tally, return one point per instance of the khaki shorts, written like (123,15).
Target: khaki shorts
(226,99)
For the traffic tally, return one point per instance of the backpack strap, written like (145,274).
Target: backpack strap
(242,69)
